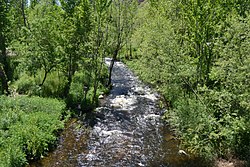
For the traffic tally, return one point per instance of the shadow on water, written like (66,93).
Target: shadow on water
(127,130)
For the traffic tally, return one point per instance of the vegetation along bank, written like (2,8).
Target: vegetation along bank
(194,52)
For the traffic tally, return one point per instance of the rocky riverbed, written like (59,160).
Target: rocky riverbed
(127,130)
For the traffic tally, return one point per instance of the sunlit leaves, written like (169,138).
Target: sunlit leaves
(196,53)
(43,42)
(27,128)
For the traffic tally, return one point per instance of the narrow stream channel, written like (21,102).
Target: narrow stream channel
(128,132)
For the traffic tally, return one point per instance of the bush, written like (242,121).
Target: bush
(32,104)
(29,85)
(28,128)
(54,84)
(203,131)
(77,92)
(25,85)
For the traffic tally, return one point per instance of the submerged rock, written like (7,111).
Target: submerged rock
(101,97)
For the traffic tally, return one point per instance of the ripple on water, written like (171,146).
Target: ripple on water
(128,131)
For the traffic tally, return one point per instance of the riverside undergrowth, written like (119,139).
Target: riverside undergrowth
(28,128)
(196,122)
(202,71)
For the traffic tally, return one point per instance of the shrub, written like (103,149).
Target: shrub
(25,84)
(77,93)
(29,85)
(28,127)
(54,84)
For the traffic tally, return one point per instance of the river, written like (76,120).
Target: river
(127,131)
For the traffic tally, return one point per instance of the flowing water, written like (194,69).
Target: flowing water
(127,132)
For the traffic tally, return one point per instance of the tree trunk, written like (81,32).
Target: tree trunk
(44,78)
(69,77)
(130,51)
(4,81)
(4,66)
(67,87)
(112,65)
(95,90)
(25,22)
(47,71)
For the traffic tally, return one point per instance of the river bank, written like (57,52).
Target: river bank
(127,130)
(157,83)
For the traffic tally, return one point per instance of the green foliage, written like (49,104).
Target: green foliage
(29,85)
(57,43)
(42,44)
(82,91)
(77,92)
(5,70)
(231,75)
(205,132)
(25,85)
(54,85)
(31,104)
(194,127)
(27,128)
(196,53)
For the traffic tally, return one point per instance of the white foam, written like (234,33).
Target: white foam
(124,102)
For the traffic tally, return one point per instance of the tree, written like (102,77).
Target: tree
(78,18)
(4,62)
(200,19)
(99,37)
(18,16)
(122,15)
(196,53)
(42,46)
